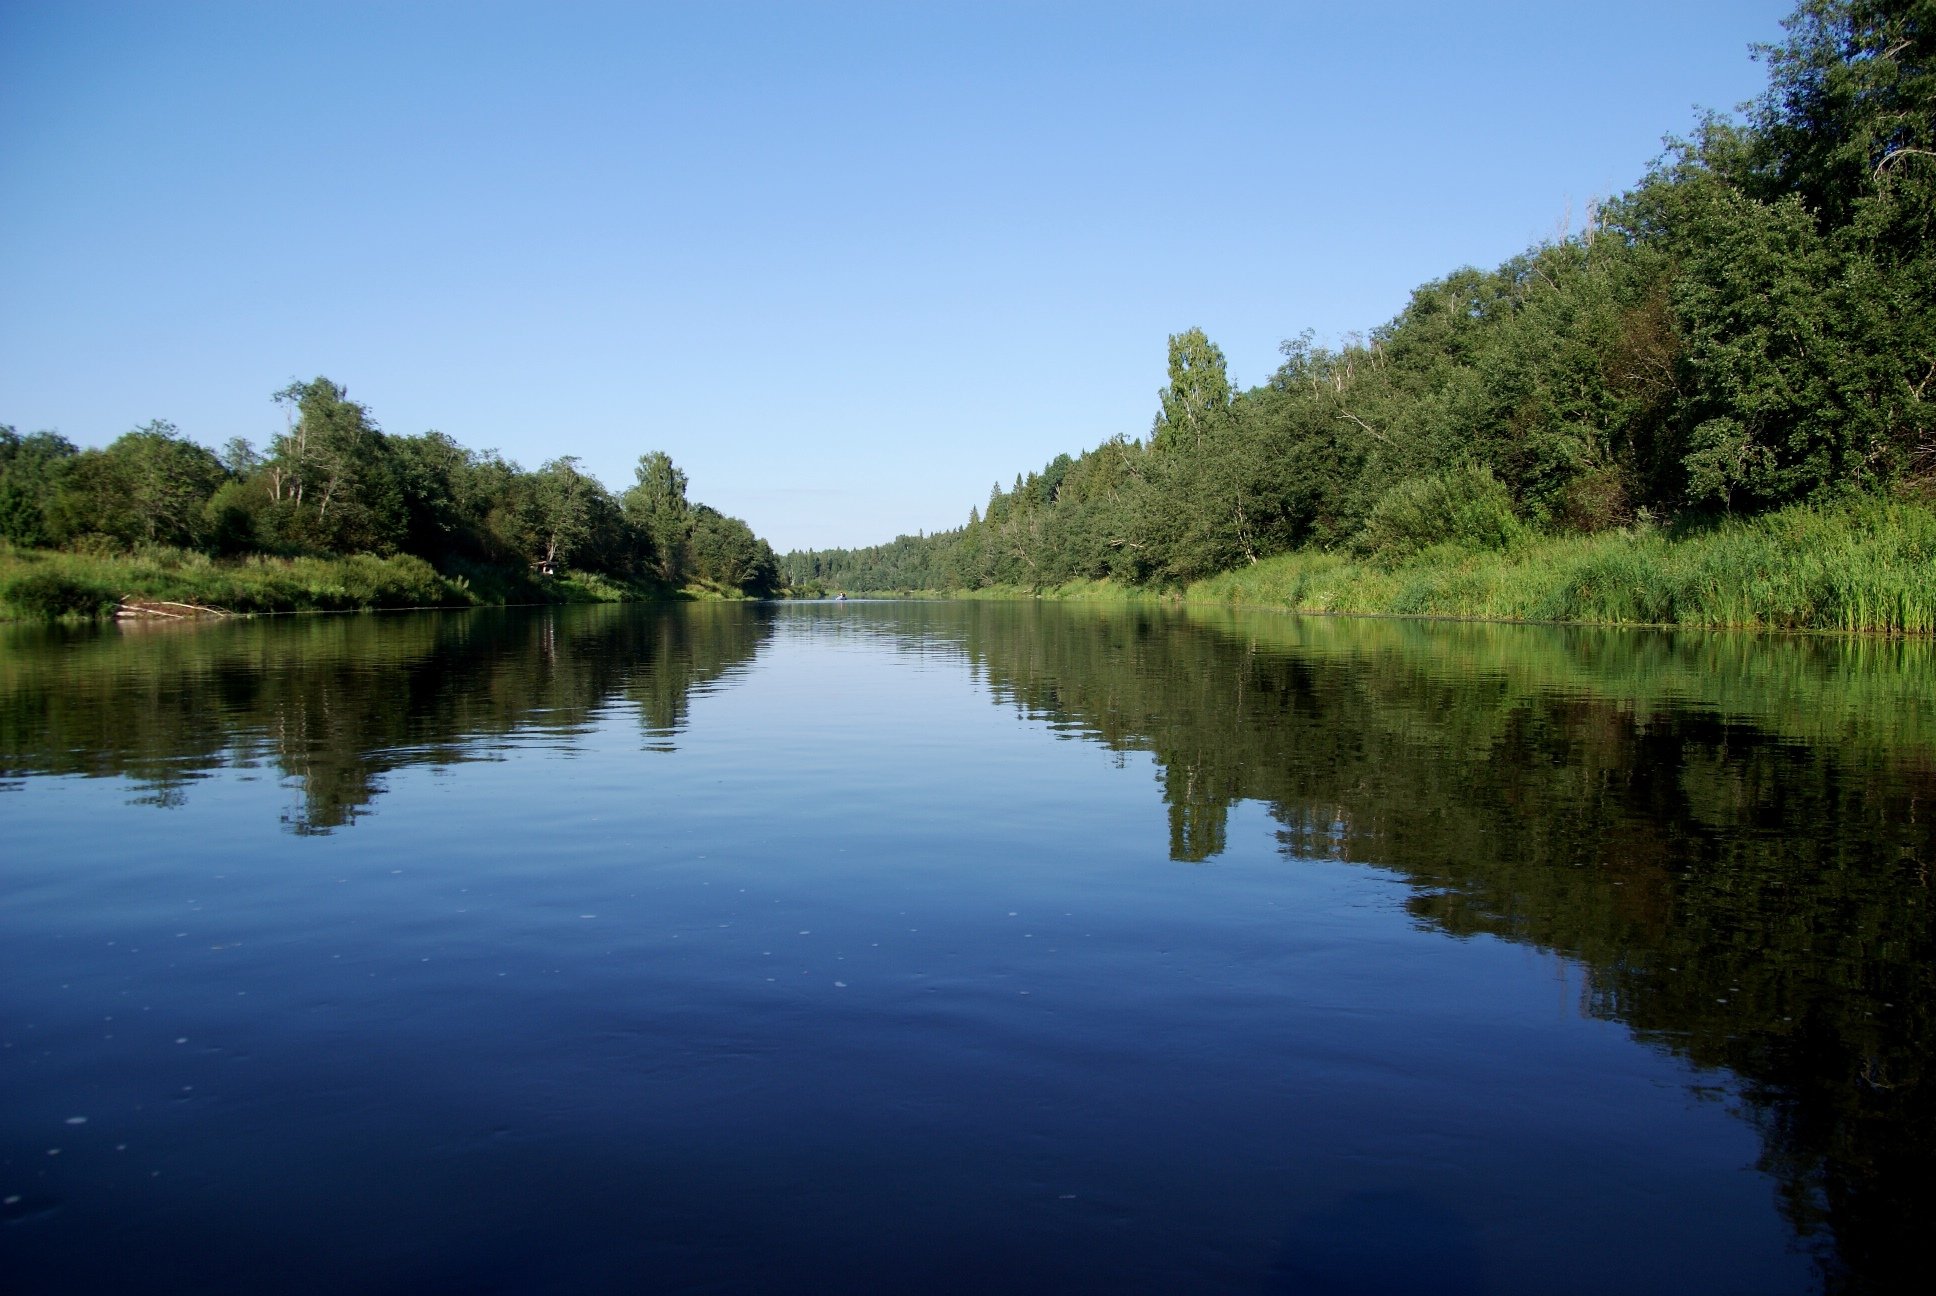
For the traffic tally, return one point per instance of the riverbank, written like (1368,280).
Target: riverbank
(1868,567)
(46,585)
(1864,567)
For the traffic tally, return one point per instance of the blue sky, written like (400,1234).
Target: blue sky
(849,264)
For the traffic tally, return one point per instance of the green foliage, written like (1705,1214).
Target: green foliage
(49,584)
(166,481)
(233,519)
(1850,110)
(658,511)
(340,515)
(1465,507)
(725,552)
(1779,405)
(335,475)
(47,595)
(562,502)
(1867,567)
(1197,397)
(31,470)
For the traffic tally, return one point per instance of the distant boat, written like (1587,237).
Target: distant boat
(840,598)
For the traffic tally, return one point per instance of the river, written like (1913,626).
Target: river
(961,947)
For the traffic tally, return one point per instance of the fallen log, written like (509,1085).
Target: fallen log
(141,609)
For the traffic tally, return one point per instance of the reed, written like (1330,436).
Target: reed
(1867,566)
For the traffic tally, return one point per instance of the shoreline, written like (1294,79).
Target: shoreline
(1864,568)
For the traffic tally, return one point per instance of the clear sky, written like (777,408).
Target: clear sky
(849,264)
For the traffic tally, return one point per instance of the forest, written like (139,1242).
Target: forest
(1751,328)
(333,485)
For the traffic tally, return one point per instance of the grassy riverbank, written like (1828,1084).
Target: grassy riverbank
(1865,567)
(1868,567)
(50,585)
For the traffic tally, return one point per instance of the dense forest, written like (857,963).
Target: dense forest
(1752,327)
(333,483)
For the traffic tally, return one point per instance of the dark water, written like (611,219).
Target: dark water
(921,947)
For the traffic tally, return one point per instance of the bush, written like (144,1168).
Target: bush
(231,518)
(1595,501)
(1465,507)
(50,595)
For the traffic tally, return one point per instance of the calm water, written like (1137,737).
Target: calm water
(928,947)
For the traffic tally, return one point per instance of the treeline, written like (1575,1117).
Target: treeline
(1753,326)
(333,483)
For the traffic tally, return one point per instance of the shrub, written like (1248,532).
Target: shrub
(50,595)
(1595,501)
(1466,507)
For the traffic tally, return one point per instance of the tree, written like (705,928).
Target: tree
(240,457)
(561,500)
(1850,108)
(435,476)
(150,486)
(1847,128)
(656,507)
(726,552)
(1198,394)
(333,472)
(31,468)
(166,482)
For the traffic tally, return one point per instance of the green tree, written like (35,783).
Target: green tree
(726,552)
(562,500)
(1198,393)
(333,473)
(167,481)
(446,512)
(657,508)
(31,469)
(1850,110)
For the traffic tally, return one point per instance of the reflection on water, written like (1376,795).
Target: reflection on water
(335,702)
(1731,838)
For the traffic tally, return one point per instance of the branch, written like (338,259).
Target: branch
(1367,427)
(1890,157)
(1917,390)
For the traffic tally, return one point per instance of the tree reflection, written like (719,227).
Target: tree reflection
(1733,837)
(334,704)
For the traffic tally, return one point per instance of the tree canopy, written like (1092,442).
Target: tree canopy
(334,483)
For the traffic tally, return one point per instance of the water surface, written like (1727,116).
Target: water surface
(957,947)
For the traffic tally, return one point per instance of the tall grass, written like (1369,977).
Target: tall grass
(1867,566)
(42,585)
